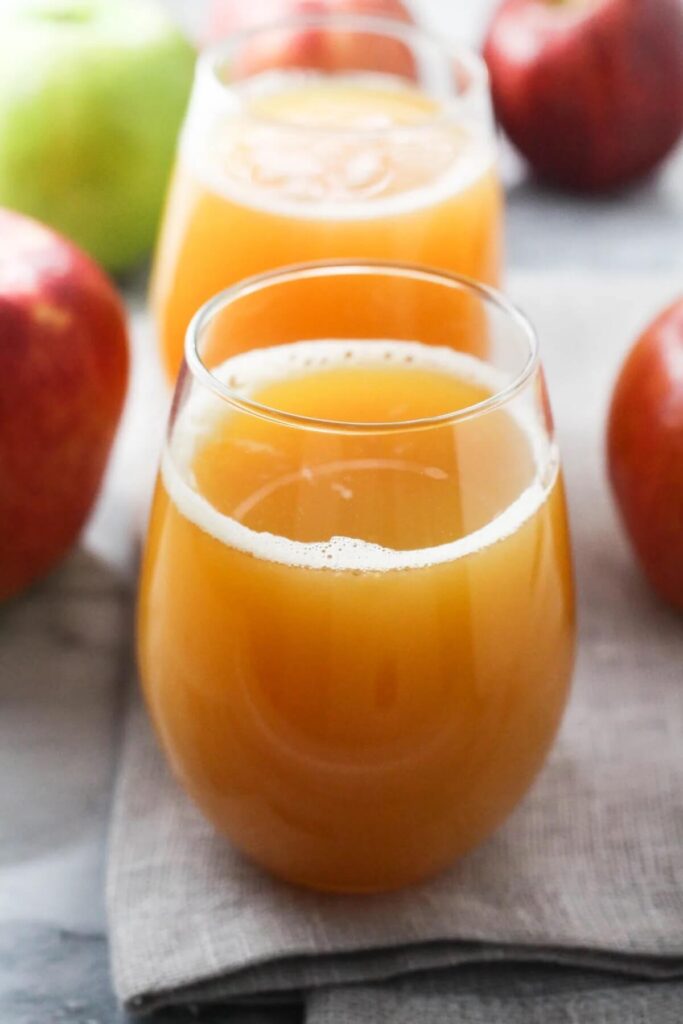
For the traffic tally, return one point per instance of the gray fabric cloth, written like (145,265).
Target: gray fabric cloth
(588,872)
(509,996)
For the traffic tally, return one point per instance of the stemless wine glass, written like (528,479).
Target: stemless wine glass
(321,137)
(356,620)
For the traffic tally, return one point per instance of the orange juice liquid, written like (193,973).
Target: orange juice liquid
(356,647)
(312,168)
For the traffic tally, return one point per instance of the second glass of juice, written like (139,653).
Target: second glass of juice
(327,137)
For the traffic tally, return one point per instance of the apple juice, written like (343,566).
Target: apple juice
(356,647)
(309,166)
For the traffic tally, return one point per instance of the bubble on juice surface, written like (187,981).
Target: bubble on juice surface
(260,368)
(359,146)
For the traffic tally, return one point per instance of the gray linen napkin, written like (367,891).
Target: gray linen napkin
(588,873)
(509,996)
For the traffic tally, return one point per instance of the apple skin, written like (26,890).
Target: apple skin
(92,94)
(591,92)
(63,376)
(645,451)
(313,48)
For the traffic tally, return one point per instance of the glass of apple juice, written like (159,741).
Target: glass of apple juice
(325,137)
(356,622)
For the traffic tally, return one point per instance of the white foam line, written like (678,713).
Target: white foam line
(339,554)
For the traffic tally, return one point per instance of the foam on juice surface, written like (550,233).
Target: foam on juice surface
(259,156)
(248,373)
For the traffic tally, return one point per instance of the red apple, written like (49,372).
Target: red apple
(590,91)
(63,374)
(645,451)
(312,48)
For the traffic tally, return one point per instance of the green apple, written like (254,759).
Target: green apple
(92,93)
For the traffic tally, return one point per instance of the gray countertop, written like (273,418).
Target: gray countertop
(53,815)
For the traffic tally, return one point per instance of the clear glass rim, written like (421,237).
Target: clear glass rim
(213,57)
(330,268)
